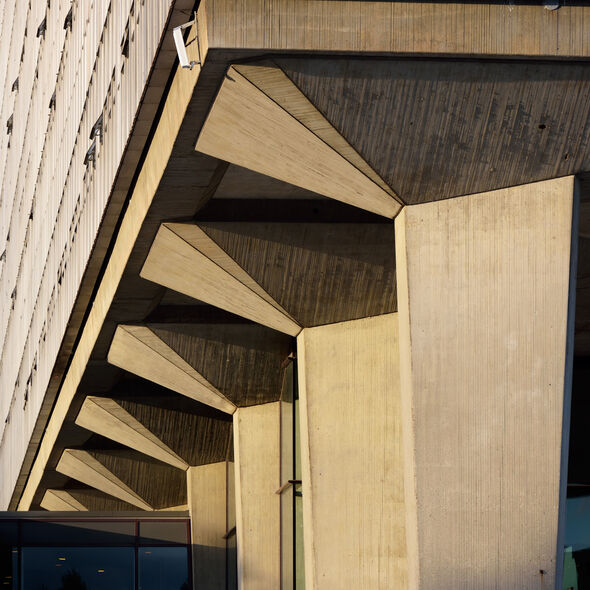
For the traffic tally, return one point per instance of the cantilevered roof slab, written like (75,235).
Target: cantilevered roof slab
(434,129)
(378,131)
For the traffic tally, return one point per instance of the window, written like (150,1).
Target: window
(78,568)
(8,556)
(94,554)
(163,568)
(291,492)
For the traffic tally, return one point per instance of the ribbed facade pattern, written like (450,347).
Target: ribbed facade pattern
(65,64)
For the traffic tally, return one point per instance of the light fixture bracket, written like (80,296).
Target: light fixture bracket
(181,47)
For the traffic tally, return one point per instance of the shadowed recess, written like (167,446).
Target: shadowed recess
(438,129)
(196,438)
(244,362)
(157,483)
(578,475)
(286,211)
(96,500)
(582,330)
(321,273)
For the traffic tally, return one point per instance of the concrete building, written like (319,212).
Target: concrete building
(319,296)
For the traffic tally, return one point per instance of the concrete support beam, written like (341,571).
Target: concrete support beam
(423,28)
(138,350)
(106,417)
(207,500)
(485,300)
(232,545)
(61,500)
(274,83)
(352,461)
(257,453)
(247,127)
(214,278)
(82,466)
(287,494)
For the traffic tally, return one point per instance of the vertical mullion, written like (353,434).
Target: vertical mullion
(136,555)
(294,473)
(19,541)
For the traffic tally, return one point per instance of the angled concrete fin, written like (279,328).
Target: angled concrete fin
(179,508)
(276,131)
(272,80)
(61,500)
(215,277)
(82,466)
(107,418)
(138,350)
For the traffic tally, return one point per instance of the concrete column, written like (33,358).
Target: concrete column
(207,501)
(352,460)
(257,455)
(485,307)
(288,491)
(232,545)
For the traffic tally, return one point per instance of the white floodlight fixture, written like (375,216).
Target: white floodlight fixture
(180,46)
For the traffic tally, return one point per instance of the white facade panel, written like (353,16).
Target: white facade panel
(51,203)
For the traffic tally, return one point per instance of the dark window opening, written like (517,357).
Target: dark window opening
(94,554)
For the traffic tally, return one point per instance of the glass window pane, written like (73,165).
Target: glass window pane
(576,566)
(8,566)
(163,568)
(72,533)
(163,533)
(78,568)
(9,532)
(8,555)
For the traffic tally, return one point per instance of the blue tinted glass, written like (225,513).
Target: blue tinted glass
(78,568)
(576,564)
(15,582)
(577,533)
(163,568)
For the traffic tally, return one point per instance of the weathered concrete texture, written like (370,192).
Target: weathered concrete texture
(106,417)
(352,460)
(257,451)
(247,128)
(207,501)
(484,289)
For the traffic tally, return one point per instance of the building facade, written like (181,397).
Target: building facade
(322,291)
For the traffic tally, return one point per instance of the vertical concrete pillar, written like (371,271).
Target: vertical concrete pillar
(232,545)
(485,306)
(257,455)
(207,493)
(352,459)
(288,491)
